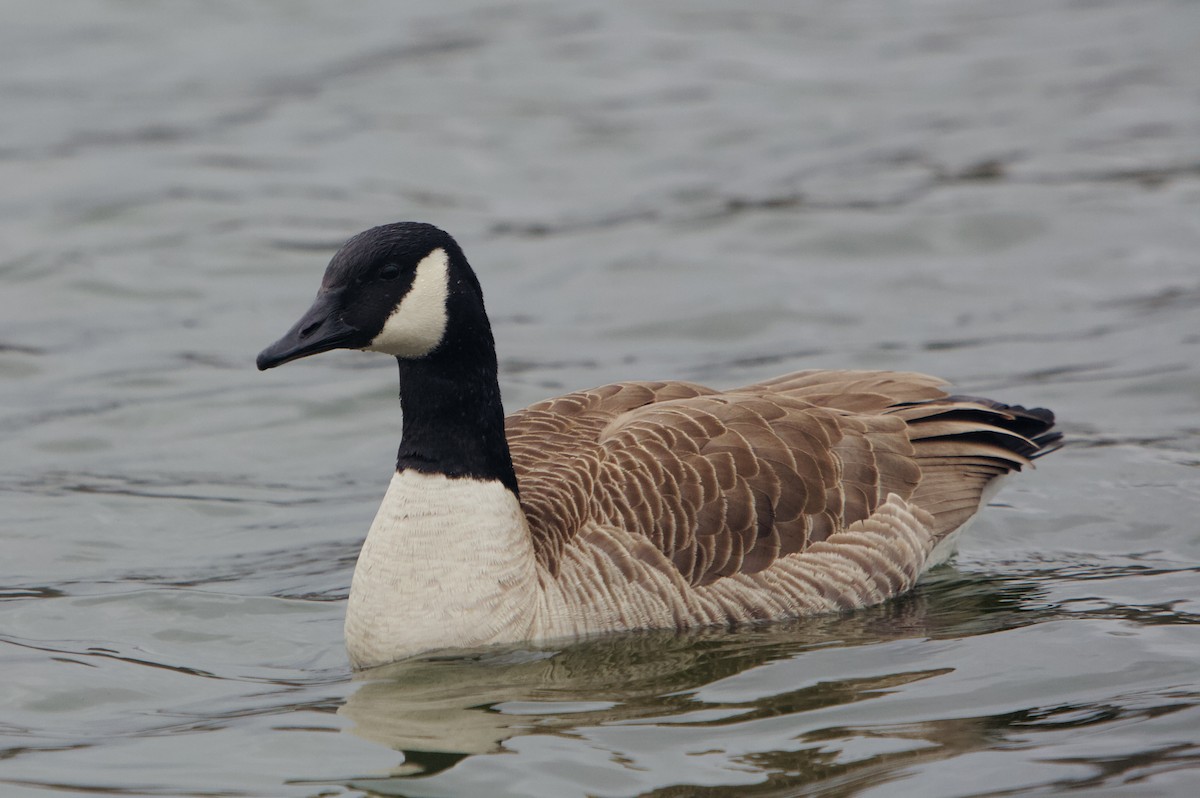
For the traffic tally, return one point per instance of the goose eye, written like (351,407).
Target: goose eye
(389,272)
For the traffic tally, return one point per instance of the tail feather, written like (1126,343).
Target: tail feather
(1047,442)
(963,443)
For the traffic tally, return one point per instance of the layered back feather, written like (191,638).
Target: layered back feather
(726,483)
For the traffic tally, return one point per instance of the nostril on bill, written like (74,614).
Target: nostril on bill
(310,329)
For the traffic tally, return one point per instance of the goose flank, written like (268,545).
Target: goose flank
(634,505)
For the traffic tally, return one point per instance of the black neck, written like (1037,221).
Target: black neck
(453,417)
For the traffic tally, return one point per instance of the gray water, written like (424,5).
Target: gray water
(1004,194)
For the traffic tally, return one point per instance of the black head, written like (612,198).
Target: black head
(406,290)
(388,290)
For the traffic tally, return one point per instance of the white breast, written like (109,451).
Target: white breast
(448,563)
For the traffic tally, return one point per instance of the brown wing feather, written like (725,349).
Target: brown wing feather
(727,483)
(555,452)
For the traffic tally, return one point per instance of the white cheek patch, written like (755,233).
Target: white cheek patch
(418,323)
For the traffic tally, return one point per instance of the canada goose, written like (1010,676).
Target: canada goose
(636,505)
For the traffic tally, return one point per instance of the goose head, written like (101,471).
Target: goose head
(403,289)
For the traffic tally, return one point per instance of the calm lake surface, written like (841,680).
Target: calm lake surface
(1004,194)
